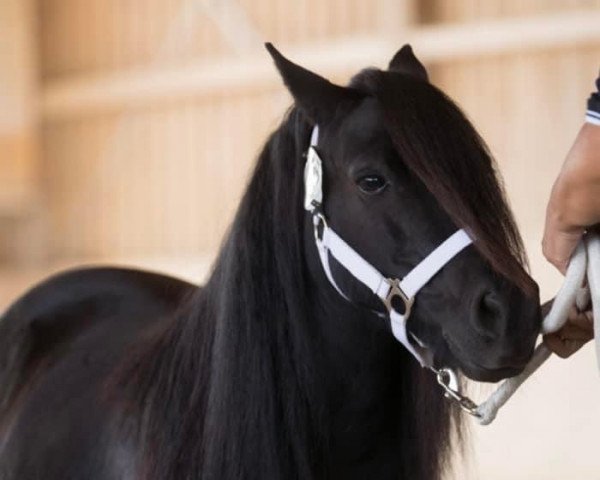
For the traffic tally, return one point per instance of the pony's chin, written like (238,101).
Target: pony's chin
(486,375)
(451,357)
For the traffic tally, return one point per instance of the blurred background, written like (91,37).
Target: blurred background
(128,128)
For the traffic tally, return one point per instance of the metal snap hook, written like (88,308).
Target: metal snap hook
(448,380)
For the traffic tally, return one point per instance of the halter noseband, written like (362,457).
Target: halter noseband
(388,290)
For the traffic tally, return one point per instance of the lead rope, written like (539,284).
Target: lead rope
(585,264)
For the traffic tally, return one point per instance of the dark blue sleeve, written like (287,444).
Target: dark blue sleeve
(593,106)
(594,100)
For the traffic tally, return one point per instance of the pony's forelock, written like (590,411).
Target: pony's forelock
(440,147)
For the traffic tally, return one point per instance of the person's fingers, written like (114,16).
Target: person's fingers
(573,335)
(562,347)
(573,332)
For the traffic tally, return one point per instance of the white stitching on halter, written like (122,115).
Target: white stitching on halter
(328,242)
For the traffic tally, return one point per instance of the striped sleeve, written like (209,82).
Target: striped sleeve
(593,107)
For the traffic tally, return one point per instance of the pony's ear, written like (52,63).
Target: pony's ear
(316,96)
(405,62)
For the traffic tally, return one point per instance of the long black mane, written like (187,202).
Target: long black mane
(233,388)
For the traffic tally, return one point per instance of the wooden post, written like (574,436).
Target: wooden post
(17,106)
(19,182)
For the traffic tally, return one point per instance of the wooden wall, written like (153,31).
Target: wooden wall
(153,110)
(161,175)
(84,36)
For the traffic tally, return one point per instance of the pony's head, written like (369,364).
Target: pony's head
(403,169)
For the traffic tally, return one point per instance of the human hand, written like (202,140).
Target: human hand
(574,202)
(578,330)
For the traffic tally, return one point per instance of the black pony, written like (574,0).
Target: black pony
(266,372)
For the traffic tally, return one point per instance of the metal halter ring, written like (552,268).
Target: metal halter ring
(396,291)
(448,380)
(318,220)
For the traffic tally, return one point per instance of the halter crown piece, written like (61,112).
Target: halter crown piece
(388,290)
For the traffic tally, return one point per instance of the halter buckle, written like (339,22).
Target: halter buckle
(396,291)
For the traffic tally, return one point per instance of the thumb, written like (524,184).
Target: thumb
(558,246)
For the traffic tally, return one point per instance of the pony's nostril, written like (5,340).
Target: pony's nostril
(488,315)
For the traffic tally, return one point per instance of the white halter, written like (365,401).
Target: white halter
(387,289)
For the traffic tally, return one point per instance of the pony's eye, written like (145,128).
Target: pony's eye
(372,184)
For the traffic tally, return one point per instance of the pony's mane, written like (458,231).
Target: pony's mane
(228,389)
(440,146)
(231,389)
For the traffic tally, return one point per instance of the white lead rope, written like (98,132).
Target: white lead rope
(585,264)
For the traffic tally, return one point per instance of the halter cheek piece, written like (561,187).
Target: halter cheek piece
(391,291)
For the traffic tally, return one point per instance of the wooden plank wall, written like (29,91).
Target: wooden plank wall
(160,181)
(163,178)
(103,35)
